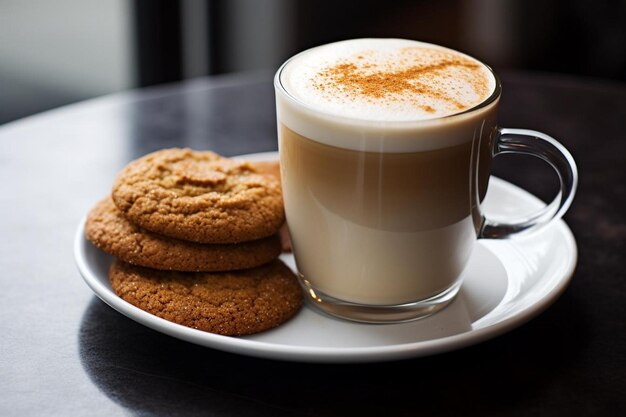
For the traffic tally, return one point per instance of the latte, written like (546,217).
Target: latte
(384,166)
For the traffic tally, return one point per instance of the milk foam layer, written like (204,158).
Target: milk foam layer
(384,95)
(387,80)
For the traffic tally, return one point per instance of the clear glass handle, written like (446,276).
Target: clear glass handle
(530,142)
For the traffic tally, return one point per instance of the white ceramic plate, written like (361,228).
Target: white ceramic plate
(506,284)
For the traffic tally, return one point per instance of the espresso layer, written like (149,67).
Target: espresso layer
(402,192)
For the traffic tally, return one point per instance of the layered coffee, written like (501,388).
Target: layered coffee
(384,166)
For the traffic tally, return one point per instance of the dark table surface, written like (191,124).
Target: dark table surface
(64,352)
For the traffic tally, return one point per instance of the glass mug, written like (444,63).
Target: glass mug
(384,214)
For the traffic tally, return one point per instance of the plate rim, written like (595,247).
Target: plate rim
(319,354)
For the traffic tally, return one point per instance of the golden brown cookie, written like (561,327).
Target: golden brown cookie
(109,230)
(199,196)
(227,303)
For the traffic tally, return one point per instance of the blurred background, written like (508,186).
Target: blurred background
(55,52)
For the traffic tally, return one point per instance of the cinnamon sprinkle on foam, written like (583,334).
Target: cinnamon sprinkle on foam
(418,74)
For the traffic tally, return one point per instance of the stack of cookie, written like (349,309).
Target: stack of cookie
(196,241)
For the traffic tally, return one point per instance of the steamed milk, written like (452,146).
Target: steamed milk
(383,170)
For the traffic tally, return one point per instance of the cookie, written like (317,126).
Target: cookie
(110,231)
(227,303)
(199,196)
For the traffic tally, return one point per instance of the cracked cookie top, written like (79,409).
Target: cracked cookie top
(199,196)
